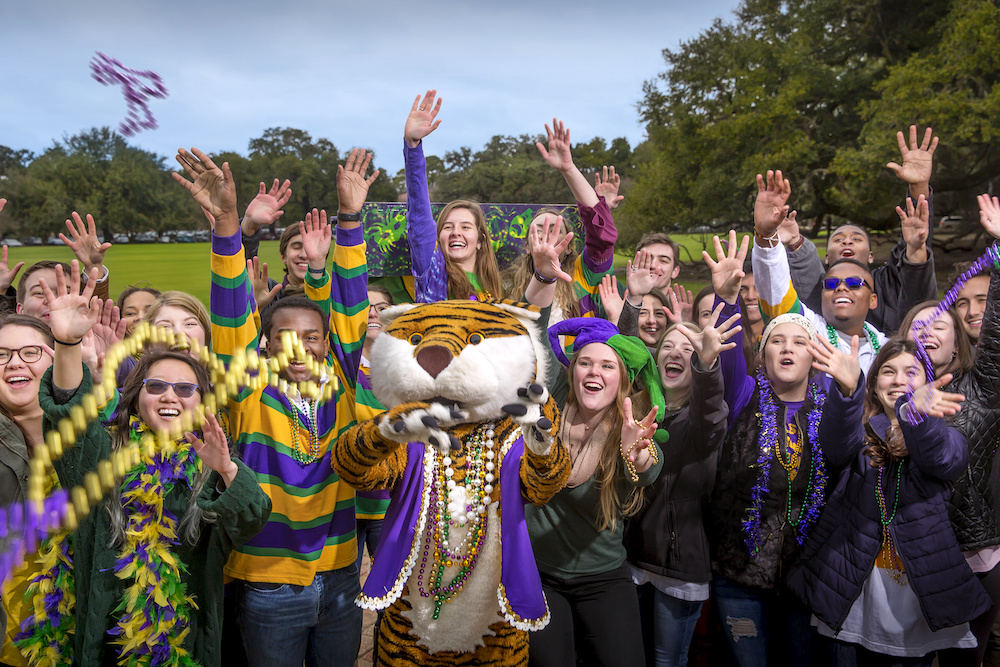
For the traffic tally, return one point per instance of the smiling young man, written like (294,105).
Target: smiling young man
(847,292)
(908,278)
(970,306)
(299,571)
(665,267)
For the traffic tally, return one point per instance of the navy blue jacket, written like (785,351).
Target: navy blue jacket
(846,540)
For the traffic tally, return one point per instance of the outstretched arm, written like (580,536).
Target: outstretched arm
(213,188)
(426,259)
(72,314)
(559,157)
(87,247)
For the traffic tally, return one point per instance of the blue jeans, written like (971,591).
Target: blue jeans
(764,627)
(286,625)
(368,532)
(672,625)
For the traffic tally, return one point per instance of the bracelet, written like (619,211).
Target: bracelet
(542,279)
(349,217)
(62,342)
(792,247)
(317,272)
(773,240)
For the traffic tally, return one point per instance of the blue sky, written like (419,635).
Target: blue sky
(344,71)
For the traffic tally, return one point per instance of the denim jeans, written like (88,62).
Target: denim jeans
(671,625)
(368,533)
(764,627)
(319,624)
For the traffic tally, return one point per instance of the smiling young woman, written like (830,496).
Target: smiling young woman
(577,536)
(25,354)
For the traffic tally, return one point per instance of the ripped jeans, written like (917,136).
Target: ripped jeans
(764,627)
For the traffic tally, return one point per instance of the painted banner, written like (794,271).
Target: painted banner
(385,232)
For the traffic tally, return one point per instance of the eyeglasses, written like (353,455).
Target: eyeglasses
(181,389)
(28,354)
(852,282)
(379,307)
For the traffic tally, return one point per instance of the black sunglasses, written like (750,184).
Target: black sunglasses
(852,282)
(181,389)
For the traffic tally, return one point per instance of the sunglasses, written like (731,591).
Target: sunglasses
(29,354)
(181,389)
(852,282)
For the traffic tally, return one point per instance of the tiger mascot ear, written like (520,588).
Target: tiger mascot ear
(476,354)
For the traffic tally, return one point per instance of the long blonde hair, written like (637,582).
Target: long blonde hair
(487,269)
(611,469)
(517,276)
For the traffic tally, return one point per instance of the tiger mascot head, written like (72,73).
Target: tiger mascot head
(469,354)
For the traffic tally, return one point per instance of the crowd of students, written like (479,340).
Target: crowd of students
(774,448)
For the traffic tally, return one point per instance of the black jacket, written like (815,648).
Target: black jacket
(971,509)
(667,536)
(843,546)
(732,496)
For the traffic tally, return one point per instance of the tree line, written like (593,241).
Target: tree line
(817,88)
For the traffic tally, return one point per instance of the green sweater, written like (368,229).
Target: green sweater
(564,532)
(242,511)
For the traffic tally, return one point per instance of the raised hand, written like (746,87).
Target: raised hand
(84,242)
(316,238)
(546,247)
(607,187)
(681,304)
(265,208)
(843,368)
(214,449)
(558,154)
(710,342)
(7,274)
(915,225)
(352,186)
(788,230)
(611,300)
(257,271)
(108,330)
(727,270)
(638,277)
(637,437)
(989,214)
(213,188)
(918,160)
(421,120)
(770,208)
(931,401)
(72,314)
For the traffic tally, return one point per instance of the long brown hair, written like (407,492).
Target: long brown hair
(880,452)
(487,269)
(190,524)
(518,275)
(965,353)
(610,469)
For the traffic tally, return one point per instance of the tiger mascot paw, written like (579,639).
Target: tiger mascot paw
(422,422)
(537,414)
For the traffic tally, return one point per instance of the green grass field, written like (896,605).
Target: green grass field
(180,266)
(185,266)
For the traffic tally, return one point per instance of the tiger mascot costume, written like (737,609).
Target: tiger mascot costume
(469,436)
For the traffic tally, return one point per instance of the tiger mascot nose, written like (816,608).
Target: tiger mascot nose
(434,359)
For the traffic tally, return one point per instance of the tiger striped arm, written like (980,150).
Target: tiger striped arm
(537,415)
(366,460)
